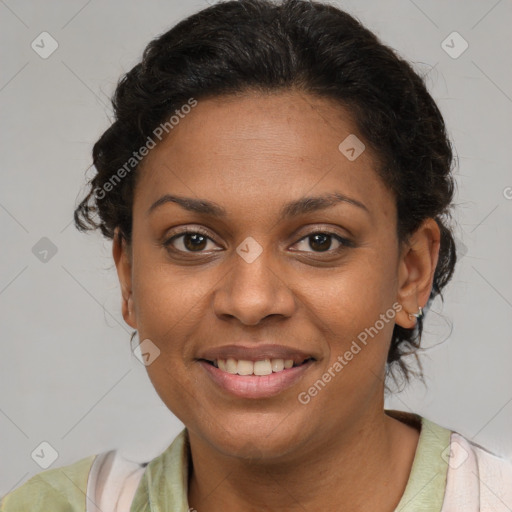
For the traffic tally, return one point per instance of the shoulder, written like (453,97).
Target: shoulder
(98,482)
(53,489)
(477,476)
(494,477)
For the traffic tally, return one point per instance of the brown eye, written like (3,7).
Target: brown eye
(322,242)
(194,241)
(188,241)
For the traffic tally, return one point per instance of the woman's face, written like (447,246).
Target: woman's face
(256,177)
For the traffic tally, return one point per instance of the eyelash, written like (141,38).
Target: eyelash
(345,243)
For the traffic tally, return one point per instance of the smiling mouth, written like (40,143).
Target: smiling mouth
(262,367)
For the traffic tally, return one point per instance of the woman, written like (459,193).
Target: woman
(277,185)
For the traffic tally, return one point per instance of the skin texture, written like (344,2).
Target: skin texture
(251,154)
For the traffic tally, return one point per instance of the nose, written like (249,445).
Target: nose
(252,291)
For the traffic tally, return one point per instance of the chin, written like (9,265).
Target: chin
(257,436)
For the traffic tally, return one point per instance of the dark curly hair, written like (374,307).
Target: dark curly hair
(312,47)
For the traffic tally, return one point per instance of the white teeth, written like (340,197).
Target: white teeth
(245,367)
(262,367)
(277,365)
(231,365)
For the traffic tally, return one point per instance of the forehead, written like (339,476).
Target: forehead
(264,148)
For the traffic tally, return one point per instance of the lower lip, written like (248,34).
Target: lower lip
(256,386)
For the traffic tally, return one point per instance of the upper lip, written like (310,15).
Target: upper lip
(257,353)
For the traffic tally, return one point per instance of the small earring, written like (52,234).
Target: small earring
(419,314)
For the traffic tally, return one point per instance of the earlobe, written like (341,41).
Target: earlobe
(122,259)
(416,271)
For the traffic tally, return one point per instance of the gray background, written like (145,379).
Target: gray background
(67,375)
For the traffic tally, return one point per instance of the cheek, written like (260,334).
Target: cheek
(174,388)
(167,315)
(356,343)
(354,309)
(354,296)
(167,297)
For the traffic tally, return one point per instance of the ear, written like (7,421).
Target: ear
(121,252)
(417,265)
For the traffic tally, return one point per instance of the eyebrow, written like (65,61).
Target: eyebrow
(295,208)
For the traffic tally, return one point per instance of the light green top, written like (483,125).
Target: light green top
(164,484)
(427,480)
(54,490)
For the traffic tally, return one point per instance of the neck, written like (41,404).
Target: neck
(366,466)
